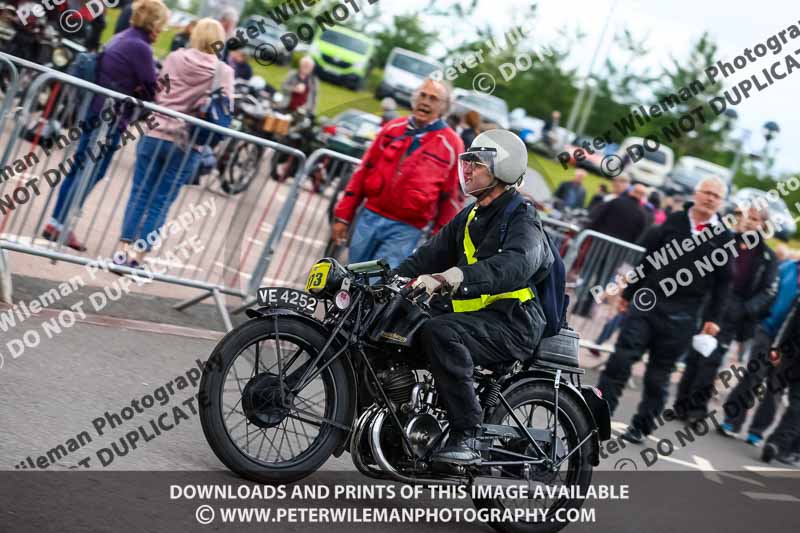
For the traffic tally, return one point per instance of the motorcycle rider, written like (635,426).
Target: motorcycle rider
(493,315)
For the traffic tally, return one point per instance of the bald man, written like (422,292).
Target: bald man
(300,88)
(407,179)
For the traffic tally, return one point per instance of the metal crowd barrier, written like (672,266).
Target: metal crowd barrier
(288,256)
(595,259)
(230,262)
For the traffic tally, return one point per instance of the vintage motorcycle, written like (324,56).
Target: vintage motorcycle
(335,368)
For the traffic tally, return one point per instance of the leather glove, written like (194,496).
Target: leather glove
(430,283)
(451,278)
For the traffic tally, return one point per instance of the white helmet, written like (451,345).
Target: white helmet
(502,151)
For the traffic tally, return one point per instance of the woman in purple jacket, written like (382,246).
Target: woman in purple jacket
(126,66)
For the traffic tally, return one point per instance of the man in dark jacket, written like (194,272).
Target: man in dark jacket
(494,316)
(784,442)
(753,287)
(571,193)
(623,217)
(667,303)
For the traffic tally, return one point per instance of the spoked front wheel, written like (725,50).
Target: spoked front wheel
(264,413)
(534,405)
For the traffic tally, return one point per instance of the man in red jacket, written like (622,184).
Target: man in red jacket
(409,177)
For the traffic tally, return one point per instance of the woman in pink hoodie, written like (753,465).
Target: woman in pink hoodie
(167,158)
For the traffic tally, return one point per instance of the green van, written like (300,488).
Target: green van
(342,56)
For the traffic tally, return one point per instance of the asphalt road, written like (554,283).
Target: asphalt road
(62,389)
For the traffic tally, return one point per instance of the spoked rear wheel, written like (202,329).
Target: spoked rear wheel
(252,416)
(534,405)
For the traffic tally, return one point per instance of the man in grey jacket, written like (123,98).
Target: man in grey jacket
(301,87)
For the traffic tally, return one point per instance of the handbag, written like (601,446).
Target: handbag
(216,111)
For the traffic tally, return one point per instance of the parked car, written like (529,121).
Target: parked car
(651,166)
(781,217)
(268,34)
(343,56)
(528,128)
(493,110)
(404,72)
(591,161)
(350,132)
(689,171)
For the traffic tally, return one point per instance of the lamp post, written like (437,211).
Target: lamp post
(770,130)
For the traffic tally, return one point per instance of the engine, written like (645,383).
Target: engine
(377,446)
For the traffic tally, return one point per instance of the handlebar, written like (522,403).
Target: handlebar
(411,292)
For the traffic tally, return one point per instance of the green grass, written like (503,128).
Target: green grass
(333,99)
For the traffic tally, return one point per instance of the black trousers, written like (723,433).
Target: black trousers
(787,435)
(760,380)
(455,342)
(697,382)
(666,332)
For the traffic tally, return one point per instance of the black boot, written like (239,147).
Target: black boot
(461,448)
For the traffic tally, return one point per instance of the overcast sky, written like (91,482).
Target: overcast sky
(670,26)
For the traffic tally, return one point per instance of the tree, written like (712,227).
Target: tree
(404,32)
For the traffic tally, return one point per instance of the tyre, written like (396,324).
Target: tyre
(242,168)
(252,430)
(534,404)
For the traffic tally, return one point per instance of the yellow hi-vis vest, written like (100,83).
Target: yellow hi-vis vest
(475,304)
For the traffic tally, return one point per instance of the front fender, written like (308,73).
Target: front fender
(548,376)
(352,385)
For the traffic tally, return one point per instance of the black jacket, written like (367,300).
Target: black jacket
(524,258)
(580,192)
(623,218)
(657,265)
(763,284)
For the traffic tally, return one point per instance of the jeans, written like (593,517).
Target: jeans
(610,327)
(71,182)
(376,237)
(161,169)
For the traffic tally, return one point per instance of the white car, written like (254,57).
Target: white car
(493,110)
(689,171)
(404,73)
(643,164)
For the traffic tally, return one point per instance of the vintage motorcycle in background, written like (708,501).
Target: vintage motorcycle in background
(336,368)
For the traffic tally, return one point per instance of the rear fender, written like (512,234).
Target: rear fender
(351,385)
(549,376)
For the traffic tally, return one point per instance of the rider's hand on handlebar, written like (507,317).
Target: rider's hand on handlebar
(429,283)
(339,232)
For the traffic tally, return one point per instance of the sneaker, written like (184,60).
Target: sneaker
(770,452)
(754,439)
(789,459)
(726,429)
(51,233)
(633,435)
(122,260)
